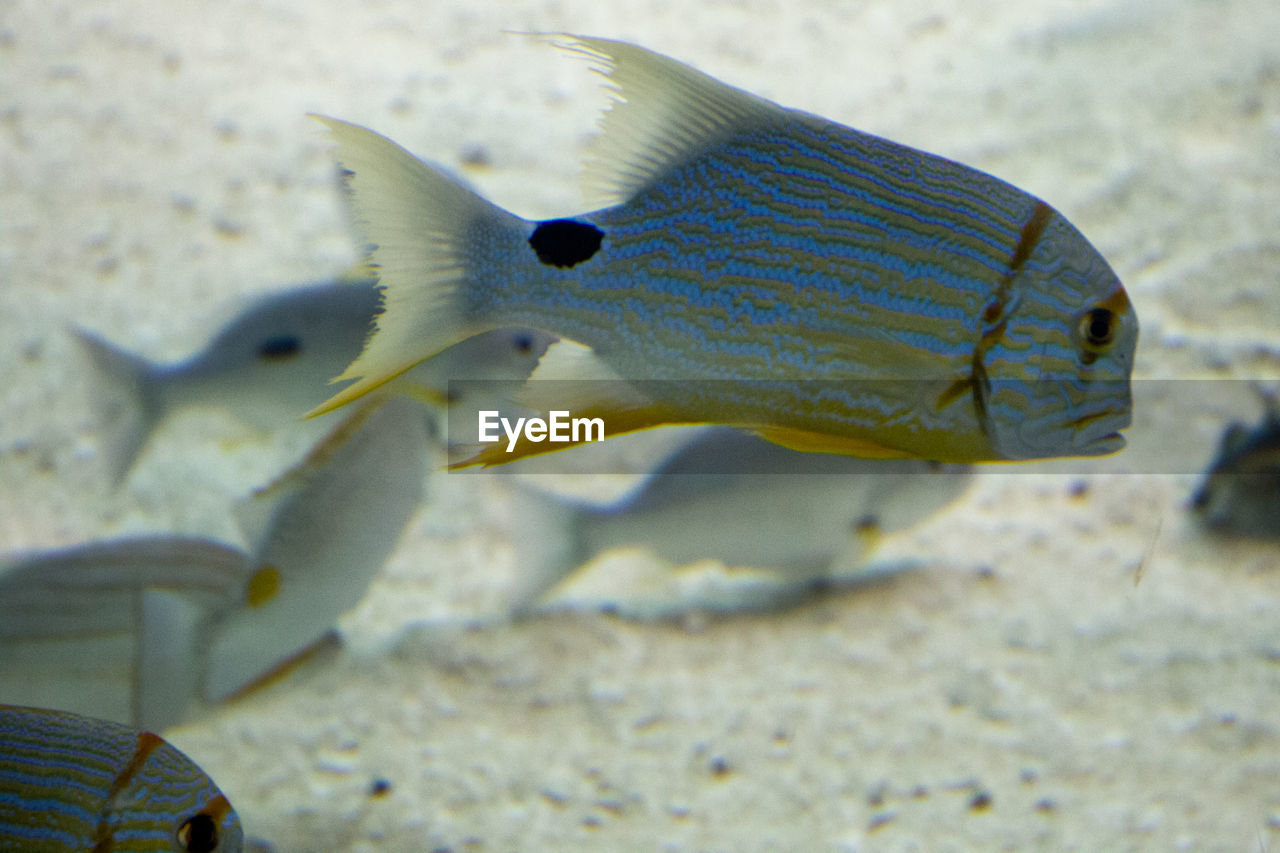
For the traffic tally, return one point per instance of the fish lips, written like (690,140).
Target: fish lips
(1098,433)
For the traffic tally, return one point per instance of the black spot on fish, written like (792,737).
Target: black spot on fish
(523,344)
(279,349)
(565,242)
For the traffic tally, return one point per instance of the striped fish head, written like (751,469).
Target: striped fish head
(1056,352)
(69,782)
(162,801)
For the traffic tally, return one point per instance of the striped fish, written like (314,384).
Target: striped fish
(72,783)
(763,268)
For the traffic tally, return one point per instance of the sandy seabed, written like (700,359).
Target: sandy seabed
(1076,665)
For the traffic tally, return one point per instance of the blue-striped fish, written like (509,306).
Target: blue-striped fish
(272,362)
(72,783)
(767,269)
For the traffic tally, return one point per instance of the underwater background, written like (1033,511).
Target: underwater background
(1072,660)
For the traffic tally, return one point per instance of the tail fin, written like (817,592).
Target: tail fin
(417,221)
(128,399)
(545,531)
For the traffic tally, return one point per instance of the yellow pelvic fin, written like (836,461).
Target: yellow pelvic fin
(616,422)
(816,442)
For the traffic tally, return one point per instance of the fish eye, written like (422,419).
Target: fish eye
(198,834)
(279,348)
(1098,329)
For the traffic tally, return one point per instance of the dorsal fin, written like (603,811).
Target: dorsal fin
(663,111)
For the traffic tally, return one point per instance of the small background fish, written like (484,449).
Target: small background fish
(272,362)
(773,523)
(143,630)
(73,783)
(1240,491)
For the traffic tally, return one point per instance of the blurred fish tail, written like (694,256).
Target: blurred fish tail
(128,396)
(424,223)
(548,533)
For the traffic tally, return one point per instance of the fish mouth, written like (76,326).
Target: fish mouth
(1098,433)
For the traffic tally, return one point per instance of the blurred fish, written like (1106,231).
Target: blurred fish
(763,268)
(73,783)
(116,629)
(137,630)
(773,523)
(320,534)
(273,362)
(1240,492)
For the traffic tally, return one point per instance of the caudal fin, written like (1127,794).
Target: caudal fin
(417,222)
(128,399)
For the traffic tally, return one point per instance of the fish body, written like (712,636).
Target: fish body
(73,783)
(142,630)
(1240,491)
(272,362)
(326,528)
(763,268)
(118,628)
(738,499)
(774,520)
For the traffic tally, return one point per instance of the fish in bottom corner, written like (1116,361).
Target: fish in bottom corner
(763,268)
(74,783)
(729,523)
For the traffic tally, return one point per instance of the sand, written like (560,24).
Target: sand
(1076,665)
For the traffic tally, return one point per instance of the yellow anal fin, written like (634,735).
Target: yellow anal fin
(806,441)
(614,422)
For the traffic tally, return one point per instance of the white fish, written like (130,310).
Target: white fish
(735,523)
(112,628)
(332,523)
(137,630)
(273,362)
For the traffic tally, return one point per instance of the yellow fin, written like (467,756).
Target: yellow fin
(616,422)
(663,111)
(416,220)
(816,442)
